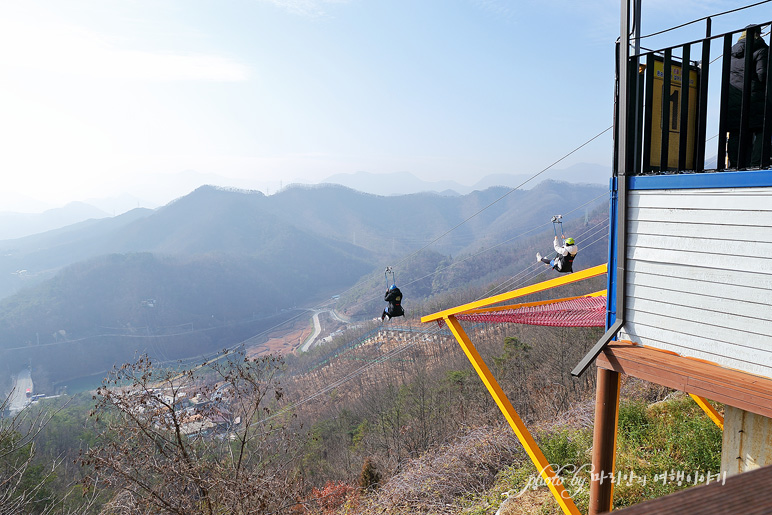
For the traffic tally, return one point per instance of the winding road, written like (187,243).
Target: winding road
(317,331)
(318,327)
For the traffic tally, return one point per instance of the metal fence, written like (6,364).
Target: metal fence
(674,100)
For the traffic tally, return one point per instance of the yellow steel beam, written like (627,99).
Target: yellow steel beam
(601,293)
(714,415)
(546,285)
(545,469)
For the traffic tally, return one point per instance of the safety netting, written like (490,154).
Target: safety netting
(576,312)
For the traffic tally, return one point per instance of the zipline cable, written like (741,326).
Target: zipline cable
(319,306)
(326,303)
(599,227)
(538,267)
(704,18)
(518,236)
(507,193)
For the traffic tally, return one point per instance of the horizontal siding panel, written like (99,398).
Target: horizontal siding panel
(711,201)
(702,230)
(746,278)
(723,326)
(707,191)
(759,249)
(697,345)
(742,308)
(699,274)
(698,285)
(700,259)
(692,349)
(697,216)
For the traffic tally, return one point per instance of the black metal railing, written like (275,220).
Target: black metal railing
(672,102)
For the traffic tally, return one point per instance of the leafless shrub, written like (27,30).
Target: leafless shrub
(580,415)
(179,443)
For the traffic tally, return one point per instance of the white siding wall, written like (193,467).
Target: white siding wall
(699,276)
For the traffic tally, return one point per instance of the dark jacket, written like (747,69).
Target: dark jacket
(758,78)
(565,263)
(394,298)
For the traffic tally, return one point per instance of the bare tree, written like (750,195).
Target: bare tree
(209,440)
(24,482)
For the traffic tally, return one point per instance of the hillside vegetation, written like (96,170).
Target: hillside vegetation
(393,426)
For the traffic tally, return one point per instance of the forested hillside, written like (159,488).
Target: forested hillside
(372,227)
(216,267)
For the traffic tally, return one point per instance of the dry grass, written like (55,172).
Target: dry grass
(434,483)
(534,501)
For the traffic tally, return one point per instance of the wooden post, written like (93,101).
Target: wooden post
(604,441)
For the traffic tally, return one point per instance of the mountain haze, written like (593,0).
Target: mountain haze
(15,225)
(405,183)
(224,265)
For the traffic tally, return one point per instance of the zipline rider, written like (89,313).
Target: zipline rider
(394,298)
(564,260)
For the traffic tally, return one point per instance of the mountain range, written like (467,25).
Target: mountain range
(23,216)
(224,264)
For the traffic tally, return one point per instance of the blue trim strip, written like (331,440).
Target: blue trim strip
(611,278)
(745,179)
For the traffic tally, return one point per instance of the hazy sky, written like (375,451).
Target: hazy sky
(99,97)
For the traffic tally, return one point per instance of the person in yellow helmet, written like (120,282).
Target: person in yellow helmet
(564,261)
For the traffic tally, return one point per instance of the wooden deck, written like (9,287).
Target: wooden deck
(740,389)
(742,494)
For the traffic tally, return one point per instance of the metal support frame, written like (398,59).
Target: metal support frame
(448,316)
(618,225)
(766,149)
(702,113)
(520,292)
(607,397)
(723,121)
(601,293)
(684,126)
(714,415)
(664,135)
(554,482)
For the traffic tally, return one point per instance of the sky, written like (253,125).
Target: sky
(101,98)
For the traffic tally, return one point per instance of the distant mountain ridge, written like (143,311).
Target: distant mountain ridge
(24,216)
(16,225)
(405,183)
(361,225)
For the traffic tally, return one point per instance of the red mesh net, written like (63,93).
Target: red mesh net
(581,312)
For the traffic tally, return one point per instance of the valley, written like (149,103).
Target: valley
(223,268)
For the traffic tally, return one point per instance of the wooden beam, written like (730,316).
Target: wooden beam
(725,385)
(534,288)
(604,441)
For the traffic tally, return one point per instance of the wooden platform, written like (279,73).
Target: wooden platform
(740,389)
(742,494)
